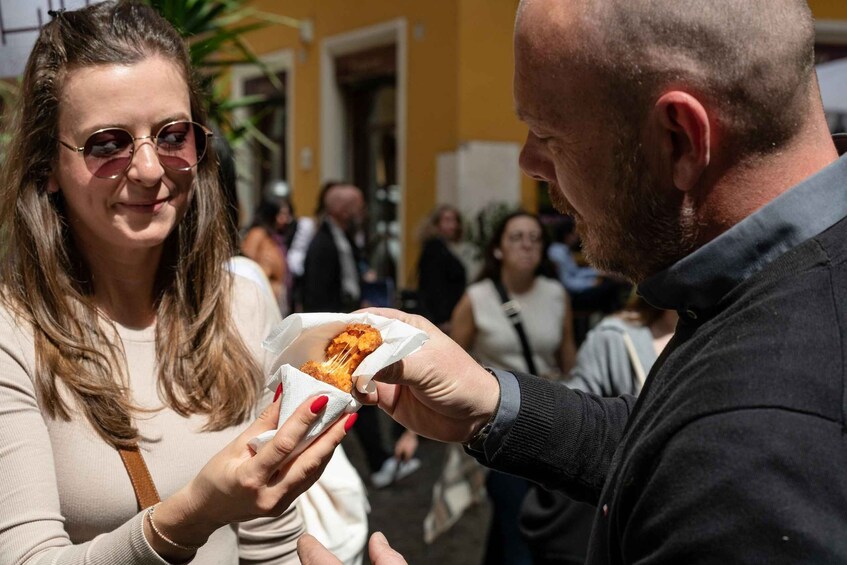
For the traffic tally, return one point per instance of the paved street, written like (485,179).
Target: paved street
(398,511)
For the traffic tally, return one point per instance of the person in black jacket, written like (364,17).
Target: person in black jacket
(690,143)
(331,278)
(441,274)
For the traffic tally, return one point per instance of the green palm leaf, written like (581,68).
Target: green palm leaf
(215,31)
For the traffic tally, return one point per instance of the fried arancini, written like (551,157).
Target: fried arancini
(343,355)
(339,378)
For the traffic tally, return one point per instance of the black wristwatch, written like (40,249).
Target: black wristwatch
(477,442)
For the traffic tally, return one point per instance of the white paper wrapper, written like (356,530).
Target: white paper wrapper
(304,337)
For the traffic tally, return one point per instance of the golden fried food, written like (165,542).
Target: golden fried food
(343,355)
(339,378)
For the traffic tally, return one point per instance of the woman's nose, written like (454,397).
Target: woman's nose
(146,169)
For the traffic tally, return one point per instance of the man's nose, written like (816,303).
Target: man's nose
(535,160)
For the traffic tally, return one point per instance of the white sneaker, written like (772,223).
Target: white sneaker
(393,470)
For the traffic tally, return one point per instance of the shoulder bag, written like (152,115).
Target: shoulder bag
(513,312)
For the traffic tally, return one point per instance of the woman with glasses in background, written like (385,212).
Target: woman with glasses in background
(517,284)
(121,331)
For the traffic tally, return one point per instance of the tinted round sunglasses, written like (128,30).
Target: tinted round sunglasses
(108,152)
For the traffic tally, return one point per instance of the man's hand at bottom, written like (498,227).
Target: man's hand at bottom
(311,552)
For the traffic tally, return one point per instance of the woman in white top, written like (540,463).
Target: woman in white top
(516,257)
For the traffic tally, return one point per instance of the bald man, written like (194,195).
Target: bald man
(688,140)
(330,270)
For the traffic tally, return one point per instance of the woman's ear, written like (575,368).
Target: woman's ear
(684,134)
(52,184)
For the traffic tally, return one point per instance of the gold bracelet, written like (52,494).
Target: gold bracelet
(165,538)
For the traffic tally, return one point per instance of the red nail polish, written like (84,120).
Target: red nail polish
(318,404)
(278,392)
(351,419)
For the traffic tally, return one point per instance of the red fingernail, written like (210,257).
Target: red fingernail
(318,404)
(278,392)
(351,419)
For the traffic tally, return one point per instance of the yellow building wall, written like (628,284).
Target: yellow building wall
(431,97)
(459,71)
(829,9)
(486,64)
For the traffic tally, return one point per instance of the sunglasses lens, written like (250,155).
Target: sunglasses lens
(181,145)
(107,153)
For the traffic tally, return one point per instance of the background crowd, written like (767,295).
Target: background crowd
(136,297)
(525,301)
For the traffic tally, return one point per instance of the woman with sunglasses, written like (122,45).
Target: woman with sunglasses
(516,284)
(121,331)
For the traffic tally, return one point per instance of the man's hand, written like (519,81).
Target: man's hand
(439,391)
(382,553)
(311,552)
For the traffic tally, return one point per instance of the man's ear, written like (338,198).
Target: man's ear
(684,137)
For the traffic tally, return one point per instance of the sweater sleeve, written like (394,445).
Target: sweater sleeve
(264,541)
(32,528)
(271,541)
(735,488)
(562,439)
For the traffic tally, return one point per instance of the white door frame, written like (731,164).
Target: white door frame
(275,62)
(332,116)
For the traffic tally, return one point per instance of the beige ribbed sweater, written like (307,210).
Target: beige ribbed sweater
(65,496)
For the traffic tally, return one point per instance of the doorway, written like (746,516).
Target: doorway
(368,80)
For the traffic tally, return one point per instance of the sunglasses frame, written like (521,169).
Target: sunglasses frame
(154,138)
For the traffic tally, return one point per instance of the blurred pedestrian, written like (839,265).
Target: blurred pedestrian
(442,277)
(265,243)
(517,284)
(516,318)
(331,277)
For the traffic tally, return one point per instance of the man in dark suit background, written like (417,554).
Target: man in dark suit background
(330,274)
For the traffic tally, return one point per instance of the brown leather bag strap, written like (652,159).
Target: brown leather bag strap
(142,483)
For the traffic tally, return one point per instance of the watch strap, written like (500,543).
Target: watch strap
(477,442)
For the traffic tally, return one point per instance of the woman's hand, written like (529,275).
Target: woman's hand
(439,391)
(236,485)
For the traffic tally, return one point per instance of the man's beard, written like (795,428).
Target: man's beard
(559,202)
(642,231)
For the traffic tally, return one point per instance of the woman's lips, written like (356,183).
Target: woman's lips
(145,207)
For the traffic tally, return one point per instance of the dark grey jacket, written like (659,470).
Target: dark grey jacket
(737,447)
